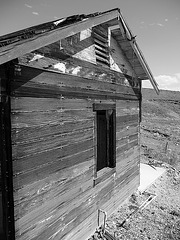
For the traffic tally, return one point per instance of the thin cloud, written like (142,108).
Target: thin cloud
(177,75)
(156,24)
(169,82)
(166,82)
(142,24)
(29,6)
(166,20)
(160,25)
(35,13)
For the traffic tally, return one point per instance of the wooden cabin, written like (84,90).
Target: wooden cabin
(70,109)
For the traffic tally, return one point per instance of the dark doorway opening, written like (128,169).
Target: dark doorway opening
(7,231)
(101,140)
(106,139)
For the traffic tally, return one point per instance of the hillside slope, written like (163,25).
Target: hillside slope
(166,104)
(160,127)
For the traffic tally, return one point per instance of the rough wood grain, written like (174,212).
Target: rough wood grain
(86,228)
(37,81)
(53,127)
(15,50)
(75,66)
(36,146)
(34,133)
(42,171)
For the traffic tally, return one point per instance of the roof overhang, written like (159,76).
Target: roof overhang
(137,59)
(28,40)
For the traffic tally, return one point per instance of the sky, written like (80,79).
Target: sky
(156,23)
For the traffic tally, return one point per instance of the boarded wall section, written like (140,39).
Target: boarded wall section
(53,146)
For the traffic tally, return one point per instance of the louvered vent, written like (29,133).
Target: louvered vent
(101,46)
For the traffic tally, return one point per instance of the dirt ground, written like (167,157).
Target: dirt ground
(160,146)
(158,220)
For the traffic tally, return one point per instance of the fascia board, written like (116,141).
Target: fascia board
(15,50)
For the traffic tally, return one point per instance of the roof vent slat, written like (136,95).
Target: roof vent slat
(101,46)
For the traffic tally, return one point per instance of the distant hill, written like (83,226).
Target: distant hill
(166,104)
(160,127)
(164,94)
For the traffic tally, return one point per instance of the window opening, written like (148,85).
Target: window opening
(106,137)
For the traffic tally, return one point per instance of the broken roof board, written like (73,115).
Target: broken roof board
(45,34)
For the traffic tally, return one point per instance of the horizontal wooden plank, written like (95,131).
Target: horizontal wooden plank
(127,176)
(22,119)
(34,133)
(103,106)
(127,131)
(44,220)
(35,146)
(50,156)
(88,226)
(126,147)
(125,166)
(64,190)
(104,175)
(77,67)
(26,192)
(36,78)
(123,127)
(51,215)
(123,104)
(84,230)
(128,155)
(127,160)
(127,119)
(60,225)
(126,139)
(50,91)
(43,171)
(28,104)
(104,200)
(71,220)
(127,107)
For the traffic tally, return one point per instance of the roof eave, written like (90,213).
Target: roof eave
(136,49)
(18,49)
(15,50)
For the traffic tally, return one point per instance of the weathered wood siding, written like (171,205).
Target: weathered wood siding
(118,60)
(1,213)
(53,143)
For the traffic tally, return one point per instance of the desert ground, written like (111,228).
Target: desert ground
(160,146)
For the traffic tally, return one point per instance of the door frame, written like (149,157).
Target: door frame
(6,154)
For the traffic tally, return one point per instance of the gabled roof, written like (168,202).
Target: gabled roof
(19,43)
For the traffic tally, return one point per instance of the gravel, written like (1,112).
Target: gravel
(159,220)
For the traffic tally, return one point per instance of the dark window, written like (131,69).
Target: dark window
(101,140)
(106,137)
